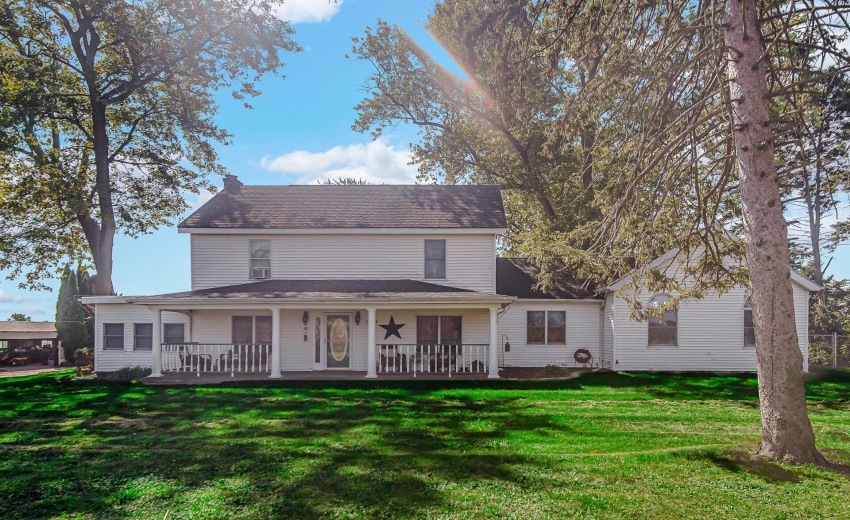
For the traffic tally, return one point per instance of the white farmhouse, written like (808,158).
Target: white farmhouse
(396,279)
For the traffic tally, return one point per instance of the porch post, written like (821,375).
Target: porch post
(371,370)
(494,354)
(275,370)
(156,347)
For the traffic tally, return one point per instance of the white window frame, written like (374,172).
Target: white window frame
(251,259)
(136,336)
(165,327)
(665,345)
(445,259)
(123,339)
(253,327)
(748,306)
(546,327)
(439,327)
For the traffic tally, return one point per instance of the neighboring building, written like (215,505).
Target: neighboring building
(16,335)
(394,279)
(25,342)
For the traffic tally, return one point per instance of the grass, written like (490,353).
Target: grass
(599,446)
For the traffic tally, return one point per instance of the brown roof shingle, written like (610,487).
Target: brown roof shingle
(351,207)
(27,326)
(518,277)
(325,289)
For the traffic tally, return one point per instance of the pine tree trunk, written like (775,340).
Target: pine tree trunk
(786,430)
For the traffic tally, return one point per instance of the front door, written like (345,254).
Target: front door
(338,341)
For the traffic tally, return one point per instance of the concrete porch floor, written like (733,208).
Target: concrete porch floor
(187,378)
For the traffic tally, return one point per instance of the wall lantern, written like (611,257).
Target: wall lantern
(507,344)
(357,318)
(305,317)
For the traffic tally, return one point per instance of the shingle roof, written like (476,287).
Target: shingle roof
(325,290)
(351,207)
(518,277)
(27,326)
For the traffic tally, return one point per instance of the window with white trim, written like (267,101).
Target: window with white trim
(663,332)
(142,336)
(261,259)
(248,330)
(113,336)
(749,325)
(439,330)
(174,333)
(546,327)
(435,259)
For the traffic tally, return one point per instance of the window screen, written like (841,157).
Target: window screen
(113,336)
(435,259)
(142,336)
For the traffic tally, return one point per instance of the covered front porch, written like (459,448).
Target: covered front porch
(417,330)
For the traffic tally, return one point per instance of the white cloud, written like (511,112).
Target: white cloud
(14,298)
(376,162)
(308,11)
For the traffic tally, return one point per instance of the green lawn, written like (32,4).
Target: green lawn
(599,446)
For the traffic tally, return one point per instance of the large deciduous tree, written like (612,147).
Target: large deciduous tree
(686,105)
(106,117)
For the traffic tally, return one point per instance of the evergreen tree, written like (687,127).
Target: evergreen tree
(84,287)
(70,324)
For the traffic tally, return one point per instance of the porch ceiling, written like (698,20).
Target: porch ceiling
(328,291)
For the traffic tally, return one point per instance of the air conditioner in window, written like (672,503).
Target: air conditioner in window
(260,273)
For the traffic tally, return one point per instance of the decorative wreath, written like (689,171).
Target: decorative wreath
(582,355)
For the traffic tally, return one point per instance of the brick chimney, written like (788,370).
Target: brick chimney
(232,183)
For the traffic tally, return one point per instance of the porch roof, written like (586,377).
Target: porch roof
(326,290)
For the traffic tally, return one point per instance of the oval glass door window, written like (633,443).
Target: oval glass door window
(339,341)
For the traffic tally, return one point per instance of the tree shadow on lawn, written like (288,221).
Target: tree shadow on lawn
(828,385)
(738,461)
(301,456)
(298,449)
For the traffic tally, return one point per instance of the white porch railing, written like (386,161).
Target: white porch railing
(216,358)
(436,359)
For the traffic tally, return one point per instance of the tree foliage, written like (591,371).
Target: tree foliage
(19,316)
(70,317)
(106,118)
(677,126)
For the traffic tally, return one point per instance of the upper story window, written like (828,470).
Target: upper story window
(435,259)
(261,259)
(663,332)
(749,325)
(546,327)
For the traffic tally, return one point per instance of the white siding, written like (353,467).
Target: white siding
(801,314)
(608,332)
(583,331)
(110,360)
(710,335)
(223,259)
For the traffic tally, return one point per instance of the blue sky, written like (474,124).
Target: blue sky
(299,131)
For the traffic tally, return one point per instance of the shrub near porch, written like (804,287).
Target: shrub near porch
(598,446)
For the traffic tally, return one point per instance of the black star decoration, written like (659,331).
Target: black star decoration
(392,328)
